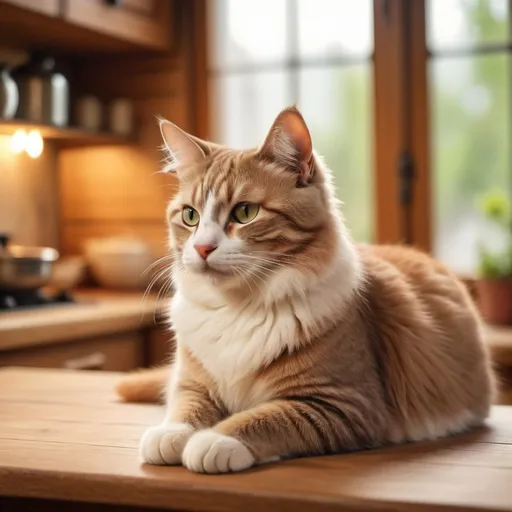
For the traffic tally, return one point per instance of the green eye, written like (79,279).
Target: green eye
(190,216)
(244,212)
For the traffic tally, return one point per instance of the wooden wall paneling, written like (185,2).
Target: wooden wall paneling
(111,183)
(29,206)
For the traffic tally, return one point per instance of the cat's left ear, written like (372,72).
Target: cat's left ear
(184,150)
(289,143)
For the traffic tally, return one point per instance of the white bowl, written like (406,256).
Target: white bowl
(119,263)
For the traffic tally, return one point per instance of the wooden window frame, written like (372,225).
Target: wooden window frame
(401,124)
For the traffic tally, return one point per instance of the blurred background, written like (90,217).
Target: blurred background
(408,102)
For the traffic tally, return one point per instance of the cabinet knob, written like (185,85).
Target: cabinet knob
(114,3)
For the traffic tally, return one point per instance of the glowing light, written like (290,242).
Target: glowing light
(34,144)
(18,141)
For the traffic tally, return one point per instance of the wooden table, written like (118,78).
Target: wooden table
(64,437)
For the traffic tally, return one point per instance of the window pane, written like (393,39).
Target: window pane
(463,23)
(248,32)
(335,27)
(246,104)
(336,103)
(470,142)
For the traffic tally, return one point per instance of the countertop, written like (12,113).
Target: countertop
(97,312)
(100,312)
(64,436)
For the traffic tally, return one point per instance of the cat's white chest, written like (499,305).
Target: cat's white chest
(232,343)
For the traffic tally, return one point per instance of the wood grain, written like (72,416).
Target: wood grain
(64,436)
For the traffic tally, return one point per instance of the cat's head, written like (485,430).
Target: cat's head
(243,218)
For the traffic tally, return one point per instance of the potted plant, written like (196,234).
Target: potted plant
(494,286)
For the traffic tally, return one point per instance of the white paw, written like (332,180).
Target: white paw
(211,452)
(164,444)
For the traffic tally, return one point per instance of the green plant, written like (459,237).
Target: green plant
(496,208)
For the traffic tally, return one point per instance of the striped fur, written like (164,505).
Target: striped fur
(292,340)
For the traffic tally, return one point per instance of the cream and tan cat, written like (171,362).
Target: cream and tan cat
(291,339)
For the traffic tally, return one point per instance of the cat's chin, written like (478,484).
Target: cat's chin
(211,272)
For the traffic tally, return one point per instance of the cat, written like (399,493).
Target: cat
(292,340)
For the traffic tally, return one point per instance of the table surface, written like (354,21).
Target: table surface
(64,436)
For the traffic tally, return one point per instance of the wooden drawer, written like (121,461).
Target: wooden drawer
(121,352)
(142,22)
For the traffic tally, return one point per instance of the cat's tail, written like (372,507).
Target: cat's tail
(146,385)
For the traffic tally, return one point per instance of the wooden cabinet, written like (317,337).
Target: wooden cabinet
(87,25)
(160,346)
(143,22)
(48,7)
(119,352)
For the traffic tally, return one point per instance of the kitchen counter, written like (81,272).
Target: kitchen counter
(65,437)
(101,312)
(97,313)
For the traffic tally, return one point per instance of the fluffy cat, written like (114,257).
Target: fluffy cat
(291,339)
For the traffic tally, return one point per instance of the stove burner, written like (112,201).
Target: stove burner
(13,300)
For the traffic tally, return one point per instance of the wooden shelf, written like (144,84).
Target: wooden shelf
(66,137)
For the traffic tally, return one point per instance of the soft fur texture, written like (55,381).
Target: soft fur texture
(291,339)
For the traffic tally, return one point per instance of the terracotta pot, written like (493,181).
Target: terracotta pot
(495,300)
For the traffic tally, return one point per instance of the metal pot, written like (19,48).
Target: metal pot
(25,268)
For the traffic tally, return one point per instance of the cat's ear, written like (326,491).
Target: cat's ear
(289,143)
(183,149)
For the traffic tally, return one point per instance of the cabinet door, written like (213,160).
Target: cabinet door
(48,7)
(119,352)
(143,22)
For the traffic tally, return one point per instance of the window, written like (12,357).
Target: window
(470,102)
(268,54)
(379,82)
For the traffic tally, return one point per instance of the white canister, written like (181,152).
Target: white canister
(120,117)
(89,113)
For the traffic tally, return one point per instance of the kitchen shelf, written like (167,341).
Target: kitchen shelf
(66,137)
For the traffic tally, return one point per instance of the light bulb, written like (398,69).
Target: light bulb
(18,141)
(34,144)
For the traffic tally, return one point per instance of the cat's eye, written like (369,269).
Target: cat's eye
(244,212)
(190,216)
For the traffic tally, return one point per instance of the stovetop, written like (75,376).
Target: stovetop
(15,300)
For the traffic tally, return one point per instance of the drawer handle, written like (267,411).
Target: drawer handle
(94,361)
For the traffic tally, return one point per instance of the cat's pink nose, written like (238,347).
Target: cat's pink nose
(205,250)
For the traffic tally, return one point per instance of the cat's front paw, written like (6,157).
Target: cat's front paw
(211,452)
(164,444)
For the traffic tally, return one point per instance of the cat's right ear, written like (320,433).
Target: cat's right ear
(182,150)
